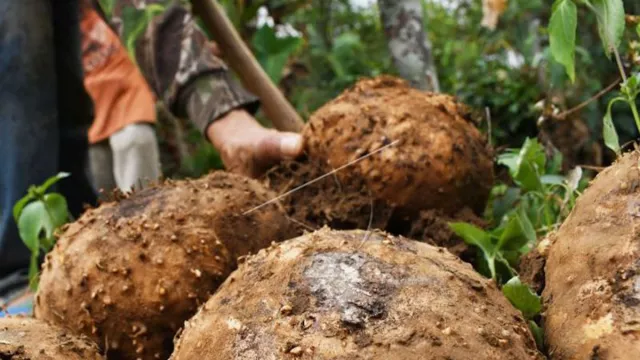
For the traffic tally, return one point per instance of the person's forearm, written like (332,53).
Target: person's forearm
(182,68)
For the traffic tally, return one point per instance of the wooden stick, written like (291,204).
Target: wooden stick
(282,115)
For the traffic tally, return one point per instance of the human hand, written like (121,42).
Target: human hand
(248,148)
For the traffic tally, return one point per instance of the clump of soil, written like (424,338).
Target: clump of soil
(356,295)
(440,161)
(30,339)
(339,204)
(572,138)
(432,227)
(531,265)
(592,290)
(350,205)
(128,274)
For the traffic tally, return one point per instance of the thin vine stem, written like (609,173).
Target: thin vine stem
(630,99)
(634,110)
(620,66)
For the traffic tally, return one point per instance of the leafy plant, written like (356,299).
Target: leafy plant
(501,246)
(38,215)
(537,203)
(562,27)
(107,7)
(522,297)
(341,44)
(273,52)
(135,22)
(610,16)
(528,302)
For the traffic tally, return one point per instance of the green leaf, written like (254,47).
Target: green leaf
(562,34)
(610,135)
(36,225)
(503,269)
(538,334)
(482,266)
(631,87)
(611,23)
(632,83)
(107,7)
(345,44)
(528,166)
(336,66)
(609,130)
(273,52)
(135,21)
(522,297)
(554,166)
(34,221)
(510,160)
(39,220)
(57,209)
(475,236)
(51,181)
(552,179)
(518,232)
(512,257)
(34,193)
(17,208)
(503,202)
(531,164)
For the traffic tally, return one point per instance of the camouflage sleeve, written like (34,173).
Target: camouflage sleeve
(177,61)
(211,96)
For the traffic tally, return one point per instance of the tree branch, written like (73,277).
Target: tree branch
(563,115)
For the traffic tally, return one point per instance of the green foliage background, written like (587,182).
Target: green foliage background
(340,44)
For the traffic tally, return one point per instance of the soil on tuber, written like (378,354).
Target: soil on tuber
(355,295)
(129,273)
(440,160)
(441,165)
(592,272)
(531,265)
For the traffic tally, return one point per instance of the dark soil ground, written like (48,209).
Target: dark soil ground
(30,339)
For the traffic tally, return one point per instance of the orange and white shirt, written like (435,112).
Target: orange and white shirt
(119,91)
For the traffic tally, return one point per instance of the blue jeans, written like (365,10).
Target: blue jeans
(45,114)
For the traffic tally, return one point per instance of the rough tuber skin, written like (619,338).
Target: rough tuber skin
(440,169)
(355,295)
(592,272)
(129,274)
(441,160)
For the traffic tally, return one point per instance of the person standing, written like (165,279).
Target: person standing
(123,150)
